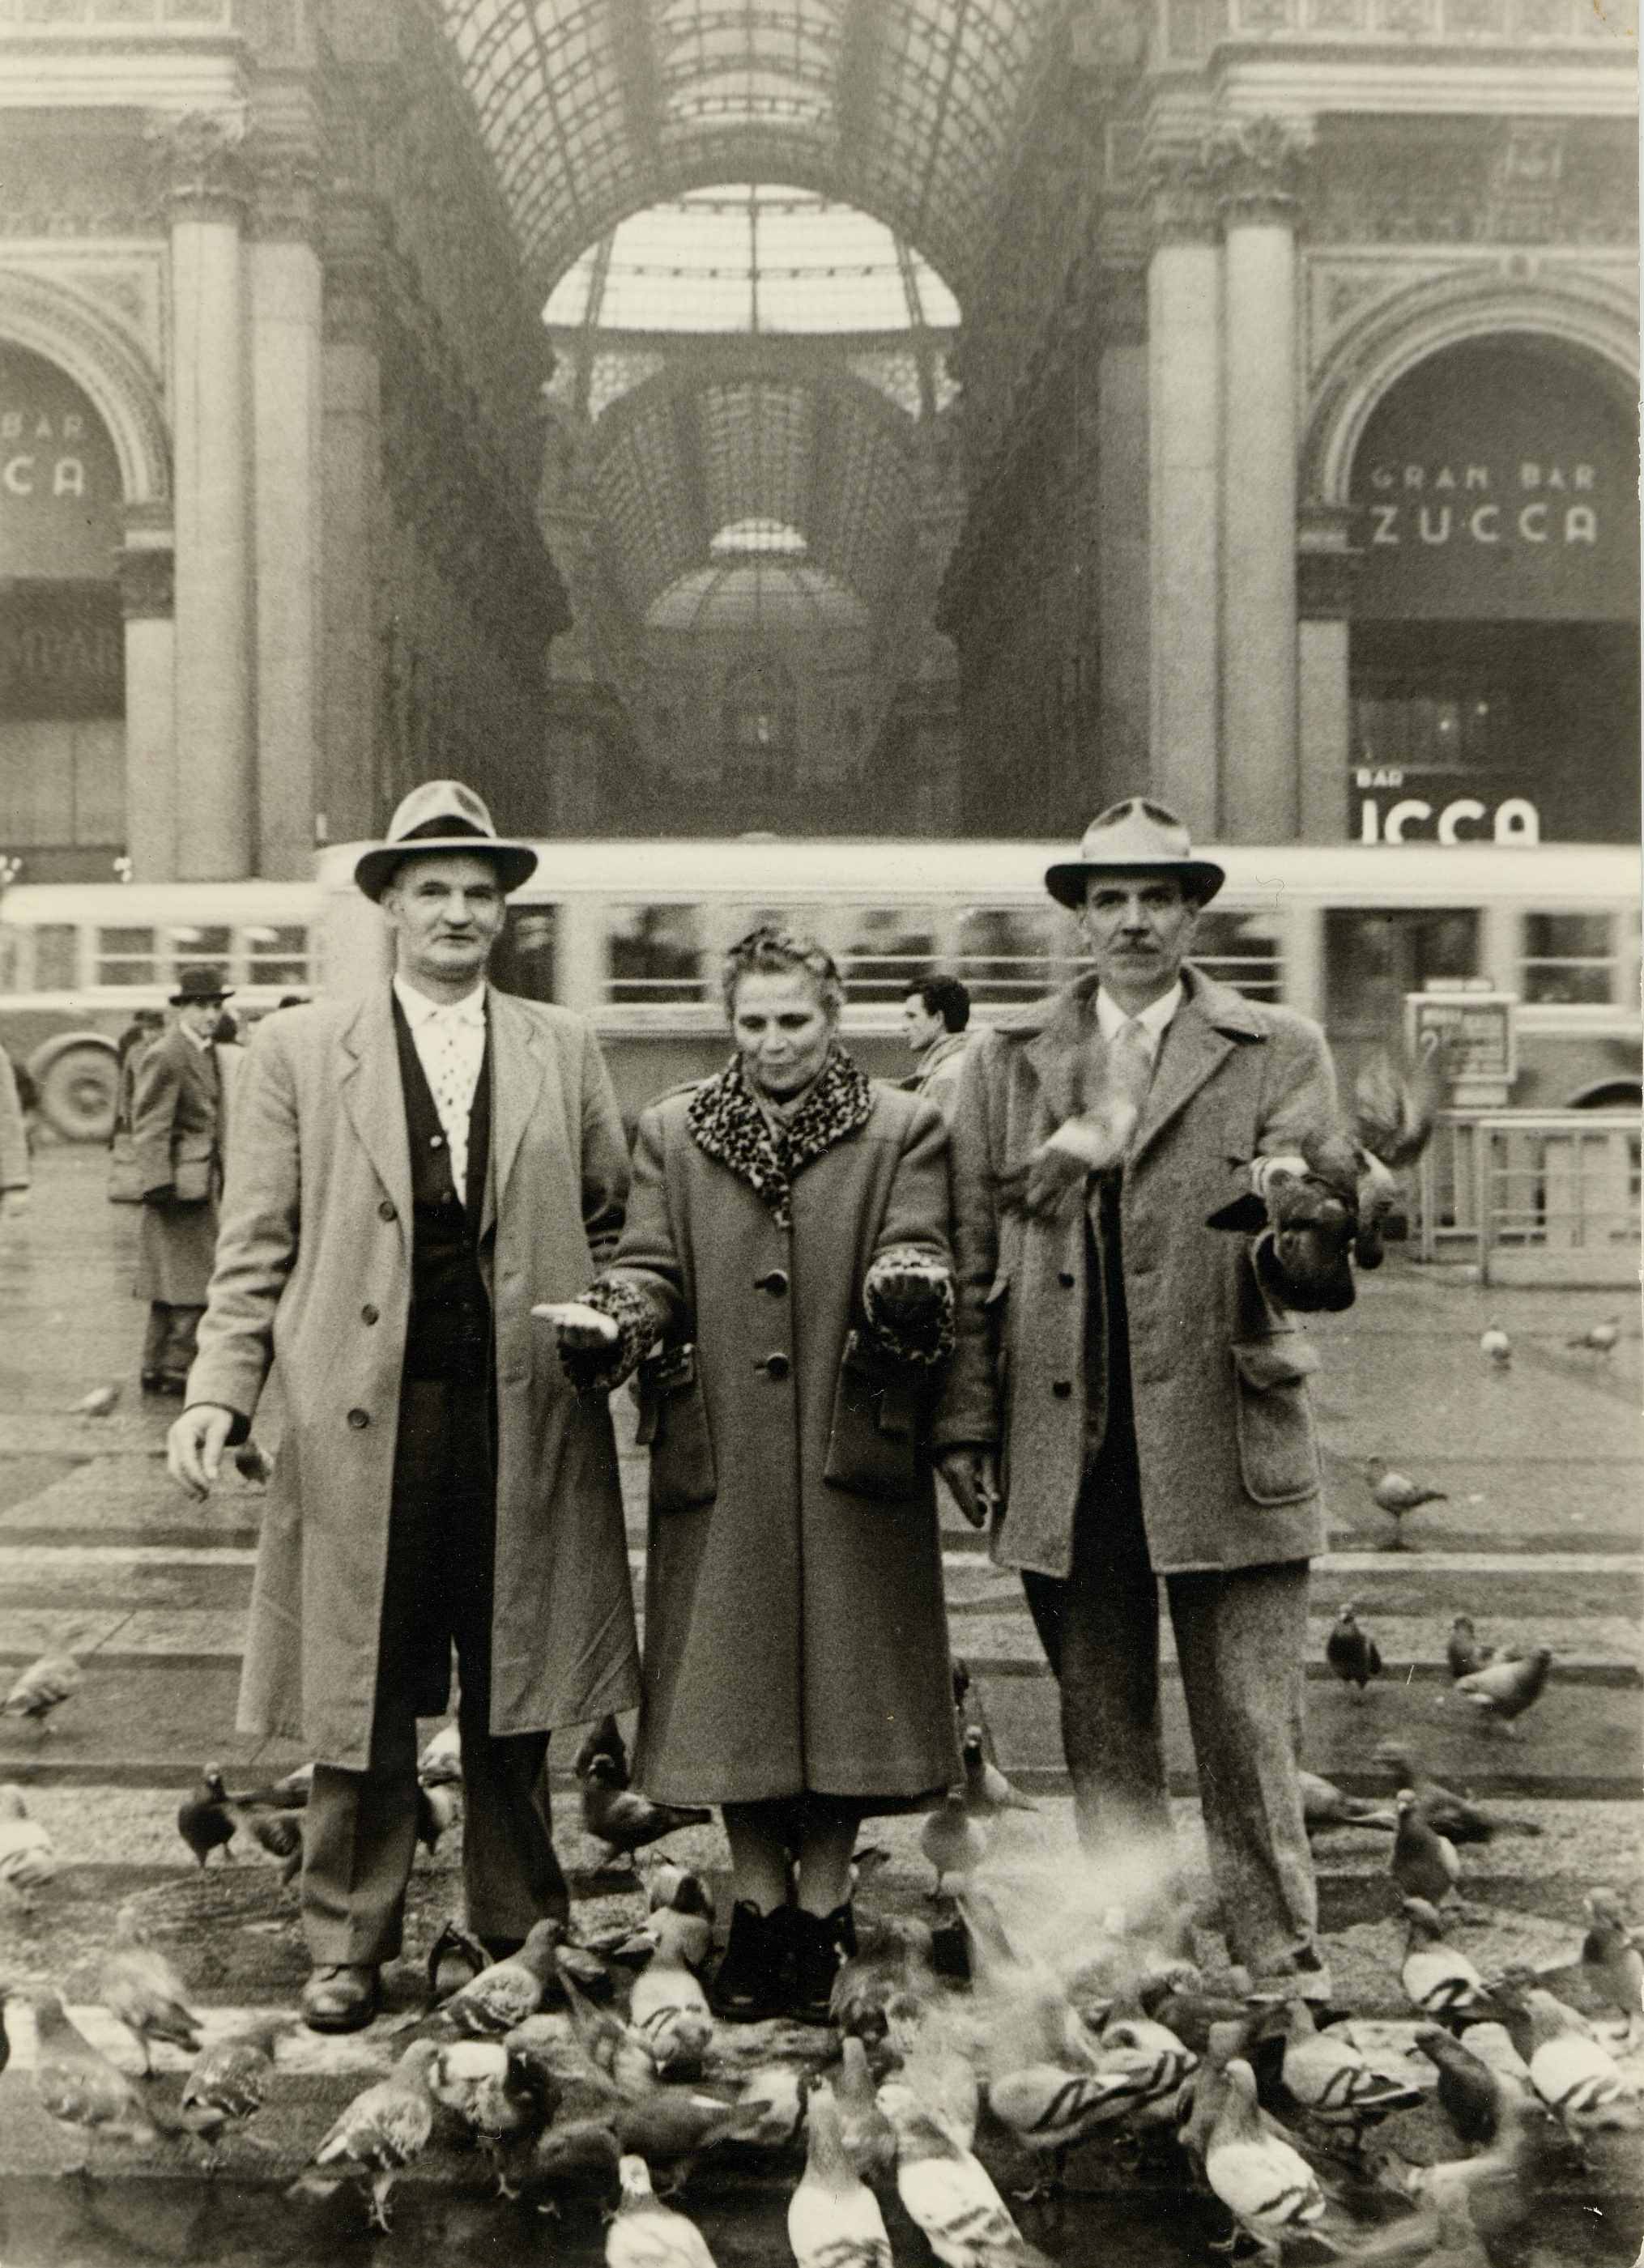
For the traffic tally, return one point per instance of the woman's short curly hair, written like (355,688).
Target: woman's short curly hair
(770,951)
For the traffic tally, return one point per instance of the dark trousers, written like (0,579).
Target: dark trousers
(1241,1641)
(360,1834)
(168,1341)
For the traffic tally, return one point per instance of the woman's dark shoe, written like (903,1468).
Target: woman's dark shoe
(753,1977)
(820,1944)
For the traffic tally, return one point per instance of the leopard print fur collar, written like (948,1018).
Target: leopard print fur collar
(727,1124)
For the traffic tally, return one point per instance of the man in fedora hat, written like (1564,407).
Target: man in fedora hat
(412,1168)
(177,1170)
(1127,1400)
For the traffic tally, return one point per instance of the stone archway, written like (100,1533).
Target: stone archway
(68,331)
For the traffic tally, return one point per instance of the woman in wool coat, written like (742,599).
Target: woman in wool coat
(783,1289)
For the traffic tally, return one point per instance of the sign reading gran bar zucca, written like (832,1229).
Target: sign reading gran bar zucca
(1497,482)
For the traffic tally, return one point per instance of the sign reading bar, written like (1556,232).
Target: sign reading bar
(60,488)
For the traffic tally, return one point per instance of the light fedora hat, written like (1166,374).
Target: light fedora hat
(443,815)
(1135,835)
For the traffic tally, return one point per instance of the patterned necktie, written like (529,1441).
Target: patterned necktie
(452,1075)
(1130,1075)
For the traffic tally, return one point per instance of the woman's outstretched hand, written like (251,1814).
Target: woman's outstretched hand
(576,1324)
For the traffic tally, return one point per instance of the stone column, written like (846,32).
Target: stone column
(215,748)
(1122,512)
(146,601)
(285,345)
(1324,566)
(350,512)
(1184,490)
(1260,802)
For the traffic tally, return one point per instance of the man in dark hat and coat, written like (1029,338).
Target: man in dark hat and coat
(177,1171)
(1128,1396)
(412,1167)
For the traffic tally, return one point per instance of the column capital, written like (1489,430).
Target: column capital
(286,173)
(1182,196)
(1256,169)
(201,163)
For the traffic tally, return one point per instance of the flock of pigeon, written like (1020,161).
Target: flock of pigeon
(968,2055)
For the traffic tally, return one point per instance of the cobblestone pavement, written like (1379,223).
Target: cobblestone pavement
(1537,1537)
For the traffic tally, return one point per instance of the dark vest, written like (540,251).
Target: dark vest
(450,1330)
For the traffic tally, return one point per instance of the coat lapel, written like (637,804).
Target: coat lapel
(518,1069)
(1203,1033)
(369,1081)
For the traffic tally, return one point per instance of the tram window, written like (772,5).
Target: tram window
(1008,952)
(10,960)
(887,955)
(1239,950)
(57,957)
(276,956)
(524,954)
(1569,958)
(654,954)
(1373,959)
(205,946)
(125,956)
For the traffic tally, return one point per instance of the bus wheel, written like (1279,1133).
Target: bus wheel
(77,1093)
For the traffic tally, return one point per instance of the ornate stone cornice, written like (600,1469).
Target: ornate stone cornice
(287,178)
(1256,169)
(201,164)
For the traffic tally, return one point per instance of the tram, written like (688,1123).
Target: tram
(630,933)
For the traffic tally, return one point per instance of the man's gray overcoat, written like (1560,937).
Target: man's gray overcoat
(314,1269)
(176,1122)
(1229,1463)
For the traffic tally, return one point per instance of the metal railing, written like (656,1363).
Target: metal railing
(1539,1196)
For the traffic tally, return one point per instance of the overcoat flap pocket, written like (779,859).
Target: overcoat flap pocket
(1278,1449)
(873,1440)
(674,1425)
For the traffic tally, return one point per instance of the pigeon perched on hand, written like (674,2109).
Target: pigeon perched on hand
(1352,1652)
(834,2219)
(1423,1864)
(27,1860)
(1505,1690)
(623,1820)
(44,1684)
(1395,1109)
(385,2128)
(229,2082)
(136,1983)
(206,1818)
(1396,1493)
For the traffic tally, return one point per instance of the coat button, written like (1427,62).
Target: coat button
(358,1419)
(774,1365)
(368,1315)
(1063,1388)
(386,1211)
(1065,1279)
(774,1281)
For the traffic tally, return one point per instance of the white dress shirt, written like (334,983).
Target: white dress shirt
(1151,1023)
(450,1041)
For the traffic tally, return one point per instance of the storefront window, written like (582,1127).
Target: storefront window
(1569,958)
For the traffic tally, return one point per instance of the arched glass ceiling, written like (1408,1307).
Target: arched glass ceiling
(756,595)
(750,257)
(593,109)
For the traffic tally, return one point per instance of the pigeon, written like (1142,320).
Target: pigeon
(1601,1339)
(624,1821)
(1264,2181)
(290,1793)
(255,1463)
(869,2138)
(43,1685)
(1328,2076)
(775,2090)
(1495,1343)
(229,2081)
(1179,2001)
(930,2060)
(1397,1494)
(206,1817)
(100,1402)
(440,1764)
(954,1842)
(672,2126)
(1439,1979)
(281,1835)
(1352,1652)
(1462,1651)
(1505,1690)
(1423,1863)
(1448,1815)
(1478,2101)
(668,1884)
(138,1985)
(1394,1109)
(27,1860)
(509,1991)
(834,2219)
(1610,1960)
(1573,2073)
(605,1740)
(77,2086)
(437,1808)
(948,2191)
(502,2092)
(1525,2000)
(895,1956)
(644,2233)
(1325,1805)
(669,2009)
(385,2128)
(987,1791)
(618,2055)
(455,1958)
(574,2157)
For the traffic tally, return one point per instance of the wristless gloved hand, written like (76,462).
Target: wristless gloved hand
(1312,1204)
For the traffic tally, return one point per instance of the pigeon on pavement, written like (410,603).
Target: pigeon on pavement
(509,1991)
(437,1808)
(573,2159)
(669,2009)
(440,1764)
(987,1791)
(954,1842)
(1328,2075)
(869,2138)
(503,2095)
(1423,1864)
(1447,1814)
(671,2126)
(27,1859)
(615,2053)
(1462,1651)
(604,1739)
(834,2219)
(100,1402)
(206,1817)
(1573,2073)
(1495,1343)
(1477,2100)
(622,1820)
(1610,1959)
(1352,1652)
(949,2192)
(1325,1805)
(1505,1690)
(1439,1979)
(1264,2181)
(931,2061)
(43,1685)
(229,2081)
(644,2233)
(1397,1493)
(77,2085)
(385,2127)
(1601,1339)
(892,1956)
(136,1983)
(455,1958)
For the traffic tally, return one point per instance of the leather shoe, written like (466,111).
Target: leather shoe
(340,1997)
